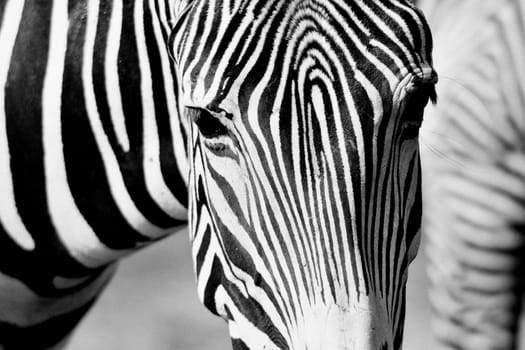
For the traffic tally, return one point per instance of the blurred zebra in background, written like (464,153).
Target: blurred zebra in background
(297,122)
(473,157)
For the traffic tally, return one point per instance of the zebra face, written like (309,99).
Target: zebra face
(305,177)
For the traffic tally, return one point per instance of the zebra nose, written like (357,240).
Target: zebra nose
(354,328)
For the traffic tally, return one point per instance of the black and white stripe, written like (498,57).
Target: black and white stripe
(304,185)
(474,173)
(92,153)
(304,177)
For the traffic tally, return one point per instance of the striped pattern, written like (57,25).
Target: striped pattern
(92,153)
(304,182)
(304,179)
(474,173)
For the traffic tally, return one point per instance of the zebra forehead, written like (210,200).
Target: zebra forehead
(256,45)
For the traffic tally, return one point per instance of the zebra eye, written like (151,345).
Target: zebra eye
(209,124)
(416,103)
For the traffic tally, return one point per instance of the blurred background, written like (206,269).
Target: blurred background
(152,304)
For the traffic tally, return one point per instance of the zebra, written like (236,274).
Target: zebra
(474,173)
(285,131)
(93,162)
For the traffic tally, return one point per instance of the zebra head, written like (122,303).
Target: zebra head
(305,177)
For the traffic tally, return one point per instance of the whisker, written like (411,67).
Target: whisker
(463,84)
(444,156)
(447,137)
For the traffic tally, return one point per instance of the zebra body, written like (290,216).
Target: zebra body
(92,151)
(474,173)
(291,126)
